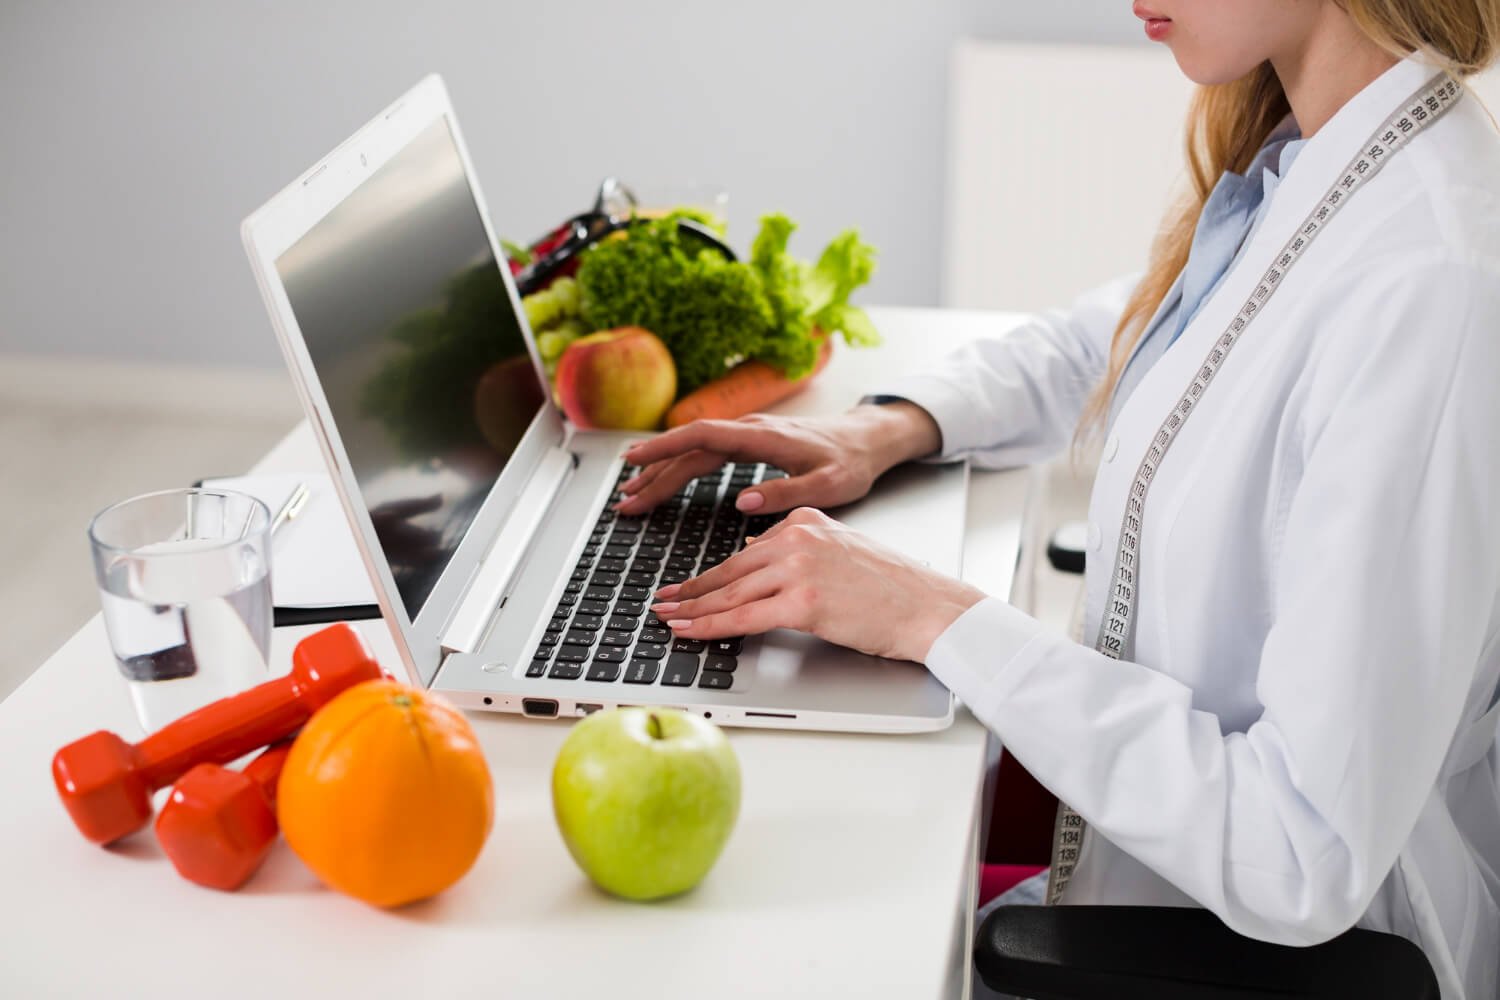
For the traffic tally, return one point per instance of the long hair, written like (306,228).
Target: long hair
(1228,123)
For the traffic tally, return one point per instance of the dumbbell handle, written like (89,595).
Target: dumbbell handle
(265,770)
(231,727)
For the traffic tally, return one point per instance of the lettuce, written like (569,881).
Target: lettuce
(713,313)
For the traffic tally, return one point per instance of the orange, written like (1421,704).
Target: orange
(385,794)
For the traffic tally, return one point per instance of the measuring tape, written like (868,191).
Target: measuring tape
(1416,113)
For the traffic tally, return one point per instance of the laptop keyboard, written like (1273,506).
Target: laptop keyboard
(602,629)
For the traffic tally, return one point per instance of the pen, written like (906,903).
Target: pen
(292,507)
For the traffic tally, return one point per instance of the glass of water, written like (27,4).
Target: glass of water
(185,580)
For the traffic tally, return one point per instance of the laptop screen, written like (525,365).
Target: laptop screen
(410,327)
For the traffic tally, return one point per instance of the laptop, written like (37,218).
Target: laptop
(483,517)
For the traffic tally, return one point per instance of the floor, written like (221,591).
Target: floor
(77,435)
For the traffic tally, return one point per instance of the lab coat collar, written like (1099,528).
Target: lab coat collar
(1303,184)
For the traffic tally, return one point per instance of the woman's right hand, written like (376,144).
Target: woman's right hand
(828,460)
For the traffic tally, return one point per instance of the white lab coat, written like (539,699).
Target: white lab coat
(1303,737)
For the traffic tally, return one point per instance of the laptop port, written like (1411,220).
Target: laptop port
(540,708)
(584,708)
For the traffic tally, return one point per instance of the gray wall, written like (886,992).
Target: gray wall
(137,135)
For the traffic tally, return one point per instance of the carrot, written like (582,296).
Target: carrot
(747,387)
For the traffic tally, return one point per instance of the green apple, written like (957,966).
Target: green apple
(645,799)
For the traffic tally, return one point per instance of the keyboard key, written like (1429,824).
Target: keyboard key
(641,672)
(616,638)
(618,624)
(625,538)
(676,575)
(578,637)
(566,671)
(603,671)
(590,551)
(538,668)
(543,654)
(635,593)
(703,495)
(607,654)
(650,651)
(656,635)
(610,580)
(605,516)
(654,622)
(640,579)
(629,526)
(581,573)
(617,551)
(567,600)
(562,612)
(716,679)
(611,565)
(549,639)
(720,661)
(680,563)
(593,607)
(599,594)
(557,624)
(651,552)
(588,623)
(572,654)
(680,670)
(647,566)
(732,645)
(688,645)
(655,538)
(573,587)
(630,609)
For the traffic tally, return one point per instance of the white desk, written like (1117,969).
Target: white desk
(851,872)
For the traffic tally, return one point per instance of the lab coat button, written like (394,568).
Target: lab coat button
(1096,537)
(1111,447)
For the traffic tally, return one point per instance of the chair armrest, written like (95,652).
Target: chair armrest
(1165,953)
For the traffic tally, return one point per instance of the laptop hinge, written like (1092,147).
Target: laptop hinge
(476,610)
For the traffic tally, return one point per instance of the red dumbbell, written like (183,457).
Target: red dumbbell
(106,783)
(218,824)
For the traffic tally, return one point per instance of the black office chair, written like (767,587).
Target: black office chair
(1167,953)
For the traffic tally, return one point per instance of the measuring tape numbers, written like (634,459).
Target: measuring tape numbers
(1116,629)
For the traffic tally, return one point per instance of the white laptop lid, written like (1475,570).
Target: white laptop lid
(405,336)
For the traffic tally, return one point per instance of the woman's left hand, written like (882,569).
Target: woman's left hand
(813,574)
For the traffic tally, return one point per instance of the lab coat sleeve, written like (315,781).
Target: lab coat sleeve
(1015,398)
(1386,578)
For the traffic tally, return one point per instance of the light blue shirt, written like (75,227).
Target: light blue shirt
(1230,216)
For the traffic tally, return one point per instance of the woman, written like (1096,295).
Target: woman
(1286,713)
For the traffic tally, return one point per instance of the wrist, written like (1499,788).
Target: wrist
(942,606)
(893,433)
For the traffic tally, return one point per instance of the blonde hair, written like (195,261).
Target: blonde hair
(1228,123)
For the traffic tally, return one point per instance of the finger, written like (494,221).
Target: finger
(759,584)
(748,619)
(671,478)
(736,566)
(647,475)
(727,437)
(800,516)
(812,489)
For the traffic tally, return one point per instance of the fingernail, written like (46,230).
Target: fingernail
(629,486)
(751,539)
(665,607)
(678,624)
(750,501)
(669,591)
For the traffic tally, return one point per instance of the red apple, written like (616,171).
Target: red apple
(620,379)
